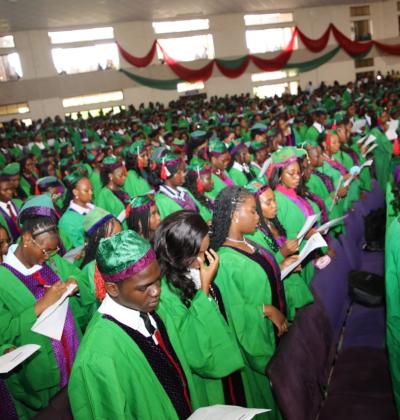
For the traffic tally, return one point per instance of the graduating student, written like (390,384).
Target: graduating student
(130,364)
(12,172)
(181,244)
(112,197)
(172,196)
(4,242)
(240,171)
(28,176)
(143,216)
(259,150)
(9,208)
(255,304)
(33,278)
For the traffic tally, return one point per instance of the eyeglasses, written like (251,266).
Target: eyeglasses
(46,253)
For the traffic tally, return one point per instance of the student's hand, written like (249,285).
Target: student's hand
(208,272)
(73,281)
(290,247)
(310,233)
(342,192)
(277,318)
(288,261)
(347,176)
(51,295)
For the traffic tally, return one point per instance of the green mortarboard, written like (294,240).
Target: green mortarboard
(111,163)
(65,162)
(198,134)
(259,128)
(284,156)
(273,132)
(256,187)
(123,255)
(37,205)
(199,167)
(216,147)
(79,167)
(94,219)
(72,179)
(255,146)
(141,202)
(300,152)
(339,115)
(137,147)
(11,169)
(46,182)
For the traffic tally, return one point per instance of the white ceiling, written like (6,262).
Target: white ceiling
(17,15)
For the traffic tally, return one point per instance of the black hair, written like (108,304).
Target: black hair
(177,243)
(226,203)
(139,222)
(68,191)
(275,177)
(191,185)
(36,225)
(131,163)
(105,172)
(92,241)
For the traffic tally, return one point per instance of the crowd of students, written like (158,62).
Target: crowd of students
(175,224)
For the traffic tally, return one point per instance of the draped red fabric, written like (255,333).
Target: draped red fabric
(185,73)
(315,45)
(232,73)
(351,47)
(139,61)
(388,49)
(279,61)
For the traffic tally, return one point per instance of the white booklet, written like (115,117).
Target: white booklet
(51,322)
(309,223)
(335,197)
(349,180)
(323,229)
(374,146)
(391,132)
(226,412)
(265,167)
(15,357)
(362,139)
(316,241)
(368,162)
(358,126)
(371,138)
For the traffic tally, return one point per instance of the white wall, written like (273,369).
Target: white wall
(44,89)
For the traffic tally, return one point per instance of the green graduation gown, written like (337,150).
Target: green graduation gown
(392,279)
(212,353)
(244,297)
(135,184)
(96,183)
(238,176)
(219,185)
(71,223)
(18,203)
(108,201)
(382,157)
(112,379)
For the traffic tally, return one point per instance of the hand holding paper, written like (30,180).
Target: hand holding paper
(309,223)
(15,357)
(326,226)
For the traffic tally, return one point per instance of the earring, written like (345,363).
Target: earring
(236,220)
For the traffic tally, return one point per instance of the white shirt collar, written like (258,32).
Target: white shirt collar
(4,205)
(178,193)
(254,163)
(79,209)
(318,126)
(129,317)
(237,166)
(15,263)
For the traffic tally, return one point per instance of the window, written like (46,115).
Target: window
(95,112)
(93,99)
(188,48)
(80,35)
(364,62)
(11,109)
(267,19)
(27,122)
(7,41)
(83,59)
(359,11)
(181,26)
(10,67)
(268,91)
(187,87)
(362,30)
(365,75)
(268,40)
(273,75)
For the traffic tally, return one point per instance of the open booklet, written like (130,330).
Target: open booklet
(323,229)
(15,357)
(309,223)
(335,197)
(51,322)
(226,412)
(265,167)
(316,241)
(374,146)
(72,254)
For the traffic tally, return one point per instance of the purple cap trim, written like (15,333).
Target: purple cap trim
(262,189)
(99,223)
(172,162)
(113,166)
(237,148)
(133,269)
(144,206)
(286,162)
(218,153)
(36,211)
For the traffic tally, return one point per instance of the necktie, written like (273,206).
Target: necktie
(12,214)
(147,322)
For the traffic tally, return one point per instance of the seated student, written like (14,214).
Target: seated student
(137,162)
(259,150)
(33,278)
(79,201)
(199,182)
(9,209)
(239,172)
(171,196)
(97,225)
(272,235)
(392,277)
(181,244)
(143,216)
(28,176)
(130,364)
(12,172)
(255,304)
(112,197)
(4,242)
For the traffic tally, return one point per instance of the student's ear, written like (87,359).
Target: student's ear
(112,289)
(26,239)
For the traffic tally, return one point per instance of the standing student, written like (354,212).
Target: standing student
(33,278)
(130,364)
(255,304)
(181,244)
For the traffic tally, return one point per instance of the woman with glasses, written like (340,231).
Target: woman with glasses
(33,278)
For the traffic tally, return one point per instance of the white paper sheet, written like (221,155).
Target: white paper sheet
(71,254)
(374,146)
(308,224)
(391,132)
(51,322)
(316,241)
(349,180)
(361,140)
(323,229)
(226,412)
(358,126)
(371,138)
(335,197)
(367,163)
(15,357)
(265,167)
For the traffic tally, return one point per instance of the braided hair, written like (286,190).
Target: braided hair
(191,185)
(138,220)
(226,203)
(177,243)
(36,225)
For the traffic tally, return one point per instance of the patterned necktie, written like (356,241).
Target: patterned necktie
(147,322)
(12,214)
